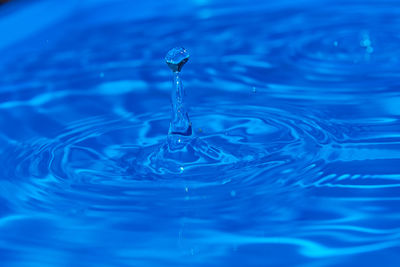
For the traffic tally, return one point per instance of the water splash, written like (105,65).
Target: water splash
(181,151)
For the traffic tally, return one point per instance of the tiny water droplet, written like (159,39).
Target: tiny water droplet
(335,43)
(182,169)
(365,43)
(233,193)
(254,90)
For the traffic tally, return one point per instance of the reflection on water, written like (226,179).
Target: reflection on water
(293,161)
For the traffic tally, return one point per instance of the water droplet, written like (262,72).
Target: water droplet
(335,43)
(182,169)
(365,43)
(254,89)
(233,193)
(176,58)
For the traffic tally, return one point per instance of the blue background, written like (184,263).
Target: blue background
(295,155)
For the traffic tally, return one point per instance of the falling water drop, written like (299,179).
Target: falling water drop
(180,122)
(366,43)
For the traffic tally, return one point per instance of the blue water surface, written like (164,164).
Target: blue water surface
(294,158)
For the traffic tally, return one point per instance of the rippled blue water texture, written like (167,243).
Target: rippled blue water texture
(294,158)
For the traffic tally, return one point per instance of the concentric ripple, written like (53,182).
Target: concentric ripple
(124,152)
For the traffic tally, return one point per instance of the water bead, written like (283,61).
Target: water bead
(176,58)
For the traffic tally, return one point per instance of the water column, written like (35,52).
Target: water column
(180,122)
